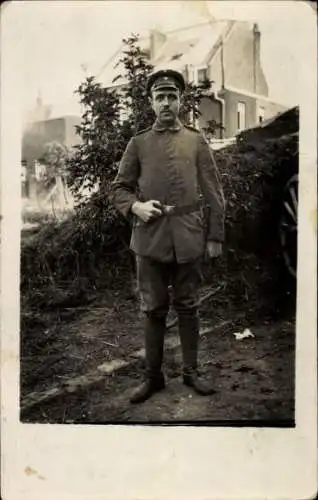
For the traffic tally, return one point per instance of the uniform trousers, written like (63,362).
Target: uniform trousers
(153,280)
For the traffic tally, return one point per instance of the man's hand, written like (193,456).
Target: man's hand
(213,249)
(148,210)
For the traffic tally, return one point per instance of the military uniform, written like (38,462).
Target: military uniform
(171,166)
(175,166)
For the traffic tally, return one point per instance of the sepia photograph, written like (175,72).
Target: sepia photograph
(159,216)
(158,250)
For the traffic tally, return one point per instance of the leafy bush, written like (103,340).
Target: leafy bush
(254,176)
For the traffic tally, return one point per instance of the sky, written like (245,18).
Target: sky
(60,42)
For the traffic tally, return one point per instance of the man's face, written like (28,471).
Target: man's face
(166,104)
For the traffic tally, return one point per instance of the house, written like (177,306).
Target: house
(226,52)
(38,134)
(39,112)
(36,194)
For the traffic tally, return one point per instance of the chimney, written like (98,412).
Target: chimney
(256,56)
(157,39)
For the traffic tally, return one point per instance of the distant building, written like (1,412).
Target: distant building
(37,196)
(39,112)
(39,133)
(226,52)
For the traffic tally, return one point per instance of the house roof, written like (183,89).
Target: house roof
(192,45)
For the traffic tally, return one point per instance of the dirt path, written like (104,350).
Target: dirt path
(72,341)
(253,378)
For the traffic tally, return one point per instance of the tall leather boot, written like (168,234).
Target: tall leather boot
(154,343)
(189,337)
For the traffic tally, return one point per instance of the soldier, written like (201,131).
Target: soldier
(161,175)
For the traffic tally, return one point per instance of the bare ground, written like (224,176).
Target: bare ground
(253,378)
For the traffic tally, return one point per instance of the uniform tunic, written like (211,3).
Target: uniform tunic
(172,165)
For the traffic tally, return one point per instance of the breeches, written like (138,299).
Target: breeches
(154,278)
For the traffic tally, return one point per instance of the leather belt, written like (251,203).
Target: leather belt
(171,210)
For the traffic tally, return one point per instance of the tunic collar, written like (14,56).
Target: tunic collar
(159,127)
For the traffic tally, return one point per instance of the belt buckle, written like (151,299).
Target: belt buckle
(169,209)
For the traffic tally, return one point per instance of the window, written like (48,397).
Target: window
(202,75)
(241,116)
(199,74)
(261,114)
